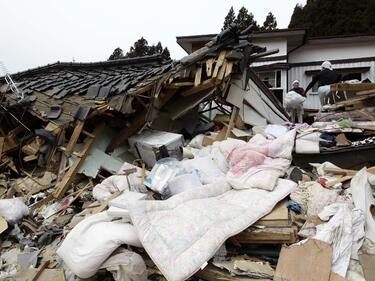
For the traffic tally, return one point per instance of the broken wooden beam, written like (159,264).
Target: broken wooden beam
(74,138)
(64,184)
(209,83)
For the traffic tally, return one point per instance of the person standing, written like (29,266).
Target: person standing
(325,78)
(296,112)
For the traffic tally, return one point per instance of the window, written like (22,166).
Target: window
(272,79)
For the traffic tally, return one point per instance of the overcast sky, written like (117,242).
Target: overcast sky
(38,32)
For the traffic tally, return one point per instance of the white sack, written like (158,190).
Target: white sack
(260,162)
(293,99)
(344,232)
(13,209)
(92,241)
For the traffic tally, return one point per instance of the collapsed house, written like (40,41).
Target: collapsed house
(96,174)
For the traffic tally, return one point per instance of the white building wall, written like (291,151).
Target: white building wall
(273,43)
(310,53)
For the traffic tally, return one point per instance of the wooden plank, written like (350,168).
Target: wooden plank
(177,85)
(365,93)
(209,83)
(74,138)
(352,87)
(29,158)
(355,100)
(198,76)
(268,235)
(222,70)
(366,115)
(209,64)
(336,181)
(279,217)
(347,172)
(64,185)
(219,63)
(229,68)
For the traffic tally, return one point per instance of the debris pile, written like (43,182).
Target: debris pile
(144,169)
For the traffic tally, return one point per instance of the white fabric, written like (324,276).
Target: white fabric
(344,231)
(274,131)
(13,209)
(363,199)
(308,143)
(183,232)
(207,169)
(260,162)
(107,187)
(110,185)
(92,241)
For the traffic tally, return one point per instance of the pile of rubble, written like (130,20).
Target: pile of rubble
(144,169)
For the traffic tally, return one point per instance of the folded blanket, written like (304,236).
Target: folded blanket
(182,233)
(260,162)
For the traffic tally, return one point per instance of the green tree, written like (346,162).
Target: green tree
(245,19)
(166,54)
(117,54)
(339,17)
(229,19)
(270,23)
(139,49)
(297,17)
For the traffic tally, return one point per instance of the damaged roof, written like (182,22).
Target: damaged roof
(98,80)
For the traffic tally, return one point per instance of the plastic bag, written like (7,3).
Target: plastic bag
(163,171)
(183,182)
(13,209)
(293,99)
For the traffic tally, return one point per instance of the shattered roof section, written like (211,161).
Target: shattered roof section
(99,80)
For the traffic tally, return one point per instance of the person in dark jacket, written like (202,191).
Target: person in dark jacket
(325,78)
(297,112)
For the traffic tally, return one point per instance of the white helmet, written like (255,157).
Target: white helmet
(327,65)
